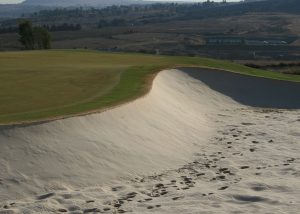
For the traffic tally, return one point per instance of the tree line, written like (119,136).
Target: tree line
(8,30)
(63,27)
(50,28)
(179,11)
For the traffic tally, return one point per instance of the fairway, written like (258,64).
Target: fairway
(44,85)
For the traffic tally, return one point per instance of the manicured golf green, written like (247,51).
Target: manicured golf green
(42,85)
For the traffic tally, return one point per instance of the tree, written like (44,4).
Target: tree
(42,38)
(26,35)
(34,37)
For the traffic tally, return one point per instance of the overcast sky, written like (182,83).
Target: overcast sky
(17,1)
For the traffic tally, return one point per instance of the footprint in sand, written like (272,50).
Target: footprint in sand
(92,210)
(223,188)
(45,196)
(74,208)
(176,198)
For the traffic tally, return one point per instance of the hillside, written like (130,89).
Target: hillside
(32,6)
(8,11)
(268,6)
(258,30)
(74,3)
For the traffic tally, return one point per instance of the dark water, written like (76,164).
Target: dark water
(248,90)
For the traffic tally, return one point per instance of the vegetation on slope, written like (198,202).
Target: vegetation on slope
(139,15)
(41,85)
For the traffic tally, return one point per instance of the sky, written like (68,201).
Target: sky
(18,1)
(9,1)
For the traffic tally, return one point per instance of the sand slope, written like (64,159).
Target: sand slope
(150,134)
(183,148)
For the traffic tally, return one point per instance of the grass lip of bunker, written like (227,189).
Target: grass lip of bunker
(49,85)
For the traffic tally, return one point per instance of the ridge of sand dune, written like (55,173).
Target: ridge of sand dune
(183,148)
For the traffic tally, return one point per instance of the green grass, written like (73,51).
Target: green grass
(42,85)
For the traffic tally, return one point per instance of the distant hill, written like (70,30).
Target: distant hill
(17,10)
(74,3)
(252,0)
(266,6)
(183,11)
(289,6)
(31,6)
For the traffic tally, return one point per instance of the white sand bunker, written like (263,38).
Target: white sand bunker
(153,133)
(183,148)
